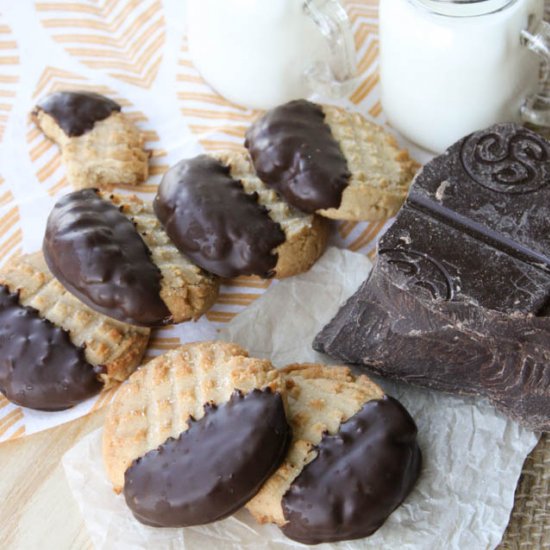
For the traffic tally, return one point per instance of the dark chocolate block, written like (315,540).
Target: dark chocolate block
(458,295)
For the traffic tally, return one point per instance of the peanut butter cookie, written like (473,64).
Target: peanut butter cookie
(56,351)
(100,147)
(222,216)
(352,460)
(326,160)
(112,253)
(192,436)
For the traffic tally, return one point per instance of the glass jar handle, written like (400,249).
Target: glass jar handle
(536,108)
(335,77)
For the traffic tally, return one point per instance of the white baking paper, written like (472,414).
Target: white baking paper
(472,454)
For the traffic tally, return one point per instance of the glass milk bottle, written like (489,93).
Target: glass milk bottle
(450,67)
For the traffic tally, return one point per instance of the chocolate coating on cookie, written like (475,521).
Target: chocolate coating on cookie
(294,152)
(214,222)
(97,254)
(77,112)
(40,367)
(359,477)
(212,469)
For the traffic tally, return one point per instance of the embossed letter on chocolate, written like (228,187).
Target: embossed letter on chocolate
(97,254)
(214,467)
(40,367)
(458,297)
(211,219)
(294,152)
(77,112)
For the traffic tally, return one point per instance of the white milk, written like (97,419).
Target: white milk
(254,52)
(443,77)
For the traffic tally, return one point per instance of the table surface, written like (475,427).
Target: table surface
(37,507)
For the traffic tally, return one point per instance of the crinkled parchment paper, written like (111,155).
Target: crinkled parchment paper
(472,454)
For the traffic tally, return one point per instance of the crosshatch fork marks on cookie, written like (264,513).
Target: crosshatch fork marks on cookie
(220,124)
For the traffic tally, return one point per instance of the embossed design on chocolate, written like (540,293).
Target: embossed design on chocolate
(210,219)
(97,254)
(359,477)
(507,162)
(40,367)
(77,112)
(423,273)
(213,468)
(294,152)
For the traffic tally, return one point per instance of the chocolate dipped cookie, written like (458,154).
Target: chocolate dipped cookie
(100,147)
(193,435)
(326,160)
(222,216)
(353,458)
(112,253)
(54,351)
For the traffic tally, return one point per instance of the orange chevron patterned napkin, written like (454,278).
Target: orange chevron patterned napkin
(136,53)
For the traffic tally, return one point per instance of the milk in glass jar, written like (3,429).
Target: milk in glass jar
(450,67)
(259,53)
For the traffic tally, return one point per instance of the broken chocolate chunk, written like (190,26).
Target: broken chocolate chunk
(459,293)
